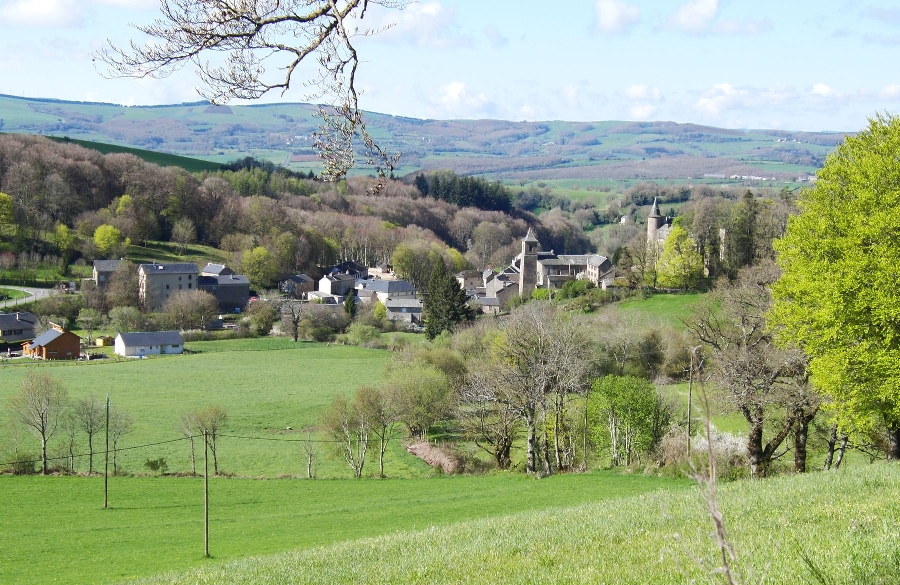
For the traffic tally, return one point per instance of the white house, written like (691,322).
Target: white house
(150,343)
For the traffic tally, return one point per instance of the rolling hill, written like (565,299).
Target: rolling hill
(512,151)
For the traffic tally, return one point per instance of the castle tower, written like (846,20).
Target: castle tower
(528,275)
(654,222)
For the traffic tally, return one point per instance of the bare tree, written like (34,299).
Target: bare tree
(252,33)
(310,451)
(190,428)
(120,424)
(485,417)
(210,422)
(190,309)
(39,405)
(378,409)
(183,233)
(346,422)
(90,416)
(292,313)
(756,376)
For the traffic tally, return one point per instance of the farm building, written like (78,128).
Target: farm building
(57,343)
(404,309)
(149,343)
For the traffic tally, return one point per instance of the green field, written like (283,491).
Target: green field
(844,523)
(57,531)
(266,386)
(671,309)
(192,165)
(168,252)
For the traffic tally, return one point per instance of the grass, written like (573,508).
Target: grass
(280,385)
(168,252)
(58,531)
(12,294)
(668,308)
(844,523)
(192,165)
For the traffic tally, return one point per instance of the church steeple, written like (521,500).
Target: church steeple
(654,221)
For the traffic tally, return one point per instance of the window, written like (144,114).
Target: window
(189,285)
(179,287)
(167,287)
(179,278)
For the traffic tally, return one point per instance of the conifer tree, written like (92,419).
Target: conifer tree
(446,305)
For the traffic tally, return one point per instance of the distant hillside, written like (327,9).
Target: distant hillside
(192,165)
(517,151)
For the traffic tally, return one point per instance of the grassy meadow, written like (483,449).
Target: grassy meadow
(265,385)
(58,532)
(842,526)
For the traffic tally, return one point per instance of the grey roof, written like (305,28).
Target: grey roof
(388,286)
(45,338)
(340,276)
(216,269)
(597,260)
(106,265)
(16,320)
(530,237)
(173,268)
(151,338)
(566,260)
(224,280)
(488,301)
(408,302)
(654,211)
(299,278)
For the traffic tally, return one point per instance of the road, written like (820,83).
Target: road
(36,293)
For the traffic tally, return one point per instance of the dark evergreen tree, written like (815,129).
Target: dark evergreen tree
(350,305)
(421,184)
(446,304)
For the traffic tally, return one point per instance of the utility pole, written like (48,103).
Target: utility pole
(205,495)
(106,461)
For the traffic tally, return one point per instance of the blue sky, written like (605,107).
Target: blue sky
(791,64)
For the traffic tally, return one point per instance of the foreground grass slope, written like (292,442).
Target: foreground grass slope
(57,531)
(846,523)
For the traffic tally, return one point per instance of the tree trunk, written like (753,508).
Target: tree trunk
(556,447)
(832,441)
(801,434)
(546,453)
(531,442)
(756,455)
(90,454)
(193,458)
(841,450)
(894,443)
(45,469)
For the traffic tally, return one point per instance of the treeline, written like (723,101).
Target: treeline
(464,191)
(61,194)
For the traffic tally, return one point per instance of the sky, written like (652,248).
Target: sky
(814,65)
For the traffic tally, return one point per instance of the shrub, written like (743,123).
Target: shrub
(22,464)
(157,465)
(364,335)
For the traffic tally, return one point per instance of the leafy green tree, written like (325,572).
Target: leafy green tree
(106,238)
(126,319)
(420,395)
(259,266)
(446,304)
(415,261)
(89,320)
(630,417)
(680,265)
(6,208)
(838,296)
(65,238)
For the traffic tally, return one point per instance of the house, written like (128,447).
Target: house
(297,285)
(404,310)
(470,279)
(231,290)
(57,343)
(149,343)
(16,327)
(103,271)
(386,289)
(156,282)
(216,270)
(348,267)
(337,284)
(601,271)
(324,298)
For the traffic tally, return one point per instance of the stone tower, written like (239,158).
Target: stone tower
(654,222)
(528,274)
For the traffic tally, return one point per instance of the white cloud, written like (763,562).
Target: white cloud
(643,93)
(891,91)
(61,13)
(454,99)
(694,16)
(824,90)
(426,24)
(719,98)
(746,27)
(642,111)
(615,15)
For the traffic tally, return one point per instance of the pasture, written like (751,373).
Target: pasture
(57,531)
(272,389)
(812,528)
